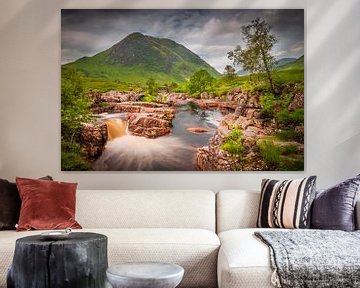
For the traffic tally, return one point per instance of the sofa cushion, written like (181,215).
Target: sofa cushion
(194,249)
(286,204)
(46,204)
(236,209)
(244,261)
(334,208)
(153,209)
(10,204)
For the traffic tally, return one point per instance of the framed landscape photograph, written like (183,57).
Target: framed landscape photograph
(182,90)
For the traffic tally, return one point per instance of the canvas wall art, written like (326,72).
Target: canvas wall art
(182,90)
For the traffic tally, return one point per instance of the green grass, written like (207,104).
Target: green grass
(72,158)
(270,152)
(100,76)
(281,157)
(289,135)
(286,117)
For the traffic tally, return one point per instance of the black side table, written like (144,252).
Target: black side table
(79,261)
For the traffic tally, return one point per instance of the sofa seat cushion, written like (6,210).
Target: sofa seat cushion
(244,261)
(196,250)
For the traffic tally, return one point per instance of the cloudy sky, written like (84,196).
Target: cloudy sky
(208,33)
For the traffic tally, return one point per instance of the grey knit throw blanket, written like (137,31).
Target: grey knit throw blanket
(313,258)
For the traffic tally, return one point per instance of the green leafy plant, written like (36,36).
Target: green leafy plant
(75,105)
(233,143)
(267,102)
(75,110)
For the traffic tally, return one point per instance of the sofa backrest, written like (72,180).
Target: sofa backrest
(146,209)
(239,209)
(236,209)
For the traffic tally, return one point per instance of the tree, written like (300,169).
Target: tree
(256,56)
(74,104)
(151,87)
(229,71)
(200,81)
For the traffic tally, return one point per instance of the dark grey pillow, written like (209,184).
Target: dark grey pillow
(334,208)
(10,204)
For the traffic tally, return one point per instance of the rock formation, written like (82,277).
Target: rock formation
(93,137)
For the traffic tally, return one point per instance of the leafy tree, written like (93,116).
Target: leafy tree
(200,81)
(74,104)
(74,111)
(229,71)
(256,57)
(151,87)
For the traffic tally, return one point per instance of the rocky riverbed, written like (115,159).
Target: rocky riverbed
(155,119)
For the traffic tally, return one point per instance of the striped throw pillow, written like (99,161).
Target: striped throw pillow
(286,204)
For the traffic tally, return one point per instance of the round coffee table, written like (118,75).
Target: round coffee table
(145,275)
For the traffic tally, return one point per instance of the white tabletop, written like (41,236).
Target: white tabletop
(146,270)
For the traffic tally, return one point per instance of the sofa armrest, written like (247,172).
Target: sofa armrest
(357,215)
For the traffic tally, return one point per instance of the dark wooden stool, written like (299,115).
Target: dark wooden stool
(78,261)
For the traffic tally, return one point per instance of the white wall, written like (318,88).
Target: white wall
(30,94)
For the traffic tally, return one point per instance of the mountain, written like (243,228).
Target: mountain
(283,64)
(284,61)
(138,57)
(297,64)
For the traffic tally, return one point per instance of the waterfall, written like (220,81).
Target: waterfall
(116,128)
(125,152)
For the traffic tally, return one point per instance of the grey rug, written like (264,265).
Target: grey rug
(314,258)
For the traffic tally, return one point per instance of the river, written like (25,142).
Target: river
(173,152)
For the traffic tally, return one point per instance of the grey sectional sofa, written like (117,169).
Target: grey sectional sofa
(210,235)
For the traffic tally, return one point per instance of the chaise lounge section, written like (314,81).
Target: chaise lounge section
(244,260)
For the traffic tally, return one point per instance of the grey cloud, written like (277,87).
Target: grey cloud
(209,33)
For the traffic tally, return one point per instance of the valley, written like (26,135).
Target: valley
(150,104)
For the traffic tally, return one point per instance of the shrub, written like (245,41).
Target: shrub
(147,98)
(267,102)
(233,143)
(286,117)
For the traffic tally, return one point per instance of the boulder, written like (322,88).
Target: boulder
(213,158)
(148,126)
(93,138)
(297,102)
(118,96)
(198,129)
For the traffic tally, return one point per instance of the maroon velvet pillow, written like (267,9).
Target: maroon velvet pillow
(10,204)
(46,204)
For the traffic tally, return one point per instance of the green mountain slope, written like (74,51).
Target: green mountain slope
(138,57)
(297,64)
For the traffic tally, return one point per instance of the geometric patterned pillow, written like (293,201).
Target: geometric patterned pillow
(286,204)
